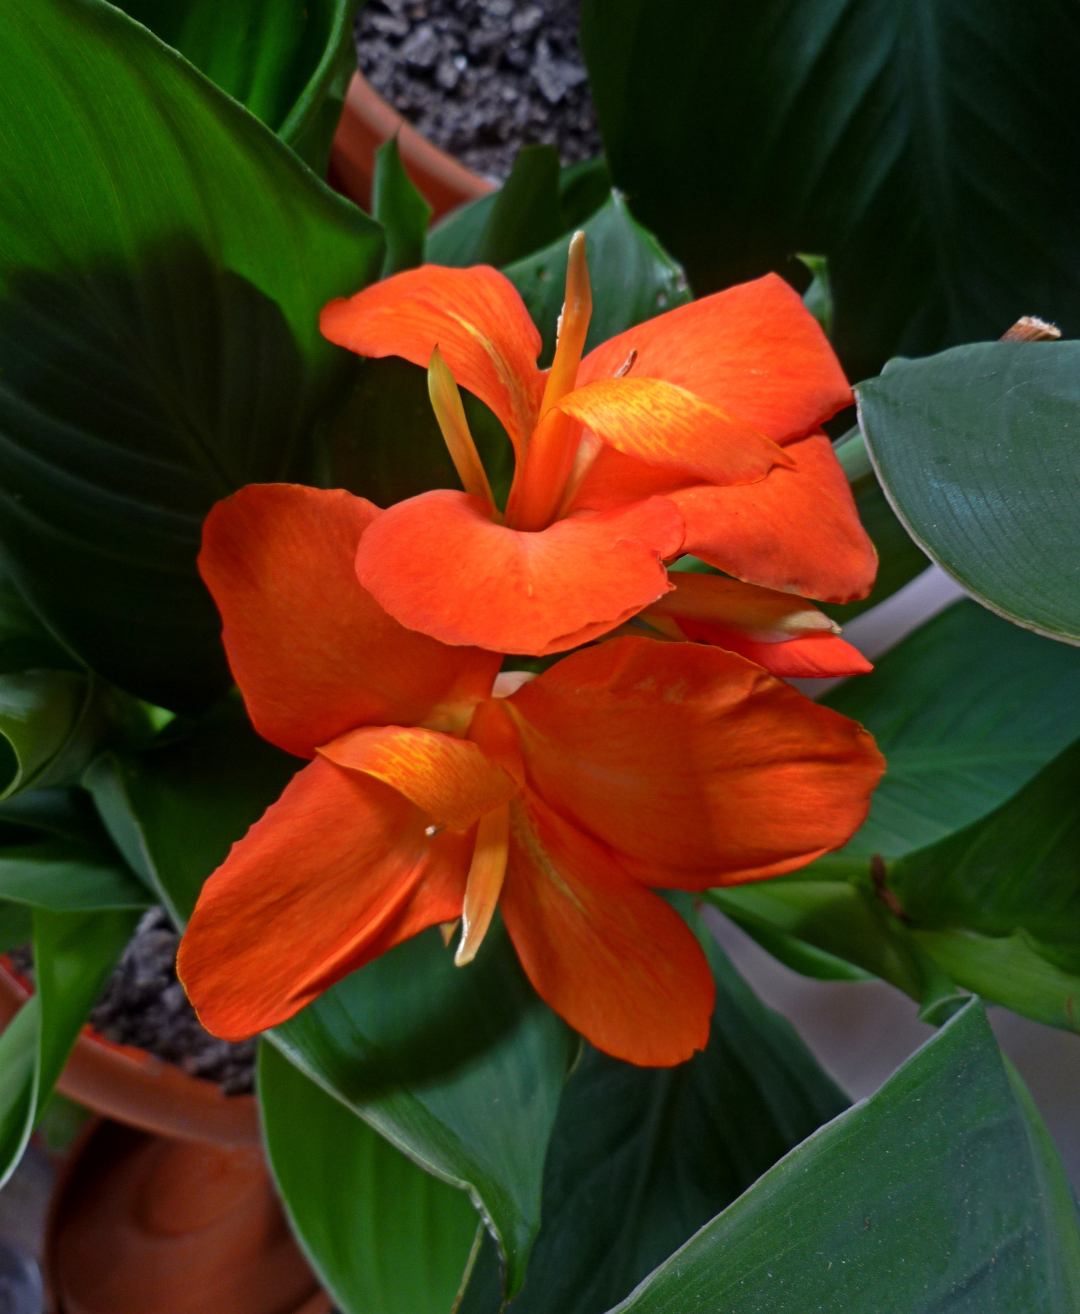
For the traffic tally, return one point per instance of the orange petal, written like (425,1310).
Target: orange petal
(815,657)
(609,956)
(313,653)
(694,765)
(797,530)
(336,872)
(449,779)
(665,425)
(766,615)
(754,350)
(439,564)
(474,316)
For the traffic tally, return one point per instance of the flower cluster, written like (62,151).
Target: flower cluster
(662,752)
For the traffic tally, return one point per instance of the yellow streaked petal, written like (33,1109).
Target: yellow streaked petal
(766,615)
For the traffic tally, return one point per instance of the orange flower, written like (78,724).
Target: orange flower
(428,797)
(696,432)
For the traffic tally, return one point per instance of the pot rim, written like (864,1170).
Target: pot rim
(367,121)
(134,1087)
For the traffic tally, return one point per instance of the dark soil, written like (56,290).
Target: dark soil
(482,78)
(145,1005)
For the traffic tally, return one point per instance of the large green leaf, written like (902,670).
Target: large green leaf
(966,710)
(175,809)
(941,1192)
(633,277)
(642,1157)
(977,449)
(384,1236)
(56,854)
(461,1068)
(289,63)
(163,259)
(931,151)
(74,953)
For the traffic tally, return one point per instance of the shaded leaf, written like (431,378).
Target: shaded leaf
(175,810)
(522,216)
(384,1236)
(931,152)
(977,449)
(462,1069)
(940,1192)
(163,258)
(399,207)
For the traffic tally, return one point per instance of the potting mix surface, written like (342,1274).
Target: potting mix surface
(482,78)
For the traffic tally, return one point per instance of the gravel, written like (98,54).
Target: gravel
(482,78)
(145,1005)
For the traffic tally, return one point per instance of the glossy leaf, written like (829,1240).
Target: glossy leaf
(289,64)
(940,1192)
(384,1236)
(522,216)
(163,258)
(966,710)
(633,278)
(643,1157)
(462,1069)
(932,153)
(176,809)
(977,449)
(399,207)
(74,954)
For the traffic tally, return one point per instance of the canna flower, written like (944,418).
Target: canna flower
(695,432)
(427,797)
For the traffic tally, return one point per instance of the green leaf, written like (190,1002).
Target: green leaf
(583,188)
(163,259)
(642,1157)
(402,211)
(940,1192)
(16,925)
(818,296)
(633,278)
(287,63)
(931,152)
(966,710)
(462,1069)
(822,927)
(977,451)
(50,722)
(176,809)
(1017,868)
(384,1236)
(74,955)
(522,216)
(25,642)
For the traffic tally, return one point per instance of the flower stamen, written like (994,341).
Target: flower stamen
(485,880)
(450,413)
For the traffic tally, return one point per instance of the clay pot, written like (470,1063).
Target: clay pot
(366,122)
(174,1213)
(121,1082)
(141,1224)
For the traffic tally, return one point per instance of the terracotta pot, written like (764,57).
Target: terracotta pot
(118,1081)
(141,1224)
(366,122)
